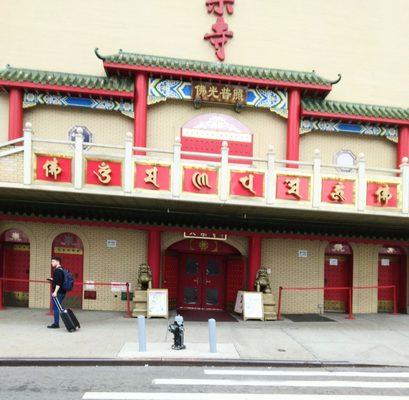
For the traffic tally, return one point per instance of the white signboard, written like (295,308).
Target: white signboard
(89,285)
(303,253)
(119,287)
(333,261)
(157,303)
(111,243)
(238,307)
(385,262)
(253,305)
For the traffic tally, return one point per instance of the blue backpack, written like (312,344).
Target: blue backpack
(68,283)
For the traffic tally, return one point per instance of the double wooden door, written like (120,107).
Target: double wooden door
(202,282)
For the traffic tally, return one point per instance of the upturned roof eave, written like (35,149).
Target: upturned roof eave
(312,88)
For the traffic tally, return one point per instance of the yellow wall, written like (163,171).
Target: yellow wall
(379,152)
(366,41)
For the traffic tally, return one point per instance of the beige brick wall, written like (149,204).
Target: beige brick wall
(101,264)
(11,167)
(379,152)
(4,117)
(166,119)
(52,122)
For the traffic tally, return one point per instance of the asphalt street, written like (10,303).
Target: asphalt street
(202,383)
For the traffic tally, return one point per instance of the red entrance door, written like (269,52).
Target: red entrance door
(390,272)
(16,265)
(337,273)
(202,282)
(70,249)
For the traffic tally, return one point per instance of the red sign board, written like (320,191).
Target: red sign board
(290,187)
(152,177)
(337,191)
(248,184)
(53,168)
(204,235)
(200,180)
(382,194)
(104,173)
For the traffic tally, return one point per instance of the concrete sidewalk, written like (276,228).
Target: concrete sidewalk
(369,339)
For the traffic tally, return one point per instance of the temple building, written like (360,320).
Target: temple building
(250,139)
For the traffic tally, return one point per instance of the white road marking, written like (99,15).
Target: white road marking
(226,396)
(287,383)
(307,373)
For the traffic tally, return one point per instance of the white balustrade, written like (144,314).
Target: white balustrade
(404,167)
(270,176)
(224,172)
(78,158)
(129,165)
(176,168)
(361,183)
(316,179)
(28,156)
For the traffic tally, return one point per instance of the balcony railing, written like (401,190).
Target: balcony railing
(217,178)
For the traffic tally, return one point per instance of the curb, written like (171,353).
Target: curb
(80,362)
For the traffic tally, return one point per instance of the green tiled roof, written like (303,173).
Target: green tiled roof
(215,68)
(367,110)
(66,79)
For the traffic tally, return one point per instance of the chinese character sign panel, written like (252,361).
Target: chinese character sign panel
(248,184)
(152,177)
(53,168)
(382,194)
(200,180)
(291,187)
(219,93)
(104,173)
(338,191)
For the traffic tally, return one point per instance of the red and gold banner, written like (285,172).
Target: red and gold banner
(293,187)
(53,168)
(248,184)
(152,177)
(200,180)
(382,194)
(338,191)
(104,173)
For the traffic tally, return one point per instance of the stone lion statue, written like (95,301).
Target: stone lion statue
(262,283)
(144,277)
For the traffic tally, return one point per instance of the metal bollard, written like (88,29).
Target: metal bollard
(212,335)
(141,333)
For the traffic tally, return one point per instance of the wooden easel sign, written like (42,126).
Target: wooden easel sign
(253,306)
(157,303)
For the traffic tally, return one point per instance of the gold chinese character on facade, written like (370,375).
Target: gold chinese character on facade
(213,92)
(52,168)
(293,187)
(248,183)
(338,193)
(238,95)
(104,173)
(201,90)
(225,93)
(383,194)
(152,176)
(200,180)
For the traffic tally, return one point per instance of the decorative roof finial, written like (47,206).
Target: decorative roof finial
(336,80)
(99,55)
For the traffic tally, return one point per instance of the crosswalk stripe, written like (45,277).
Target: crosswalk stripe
(307,373)
(288,383)
(226,396)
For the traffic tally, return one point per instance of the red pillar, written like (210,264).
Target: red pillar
(403,144)
(15,113)
(254,260)
(140,110)
(154,256)
(293,126)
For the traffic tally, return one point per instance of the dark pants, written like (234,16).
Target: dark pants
(60,297)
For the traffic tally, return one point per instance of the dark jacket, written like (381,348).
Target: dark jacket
(58,279)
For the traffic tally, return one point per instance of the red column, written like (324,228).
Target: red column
(140,110)
(15,114)
(293,125)
(254,260)
(403,144)
(154,256)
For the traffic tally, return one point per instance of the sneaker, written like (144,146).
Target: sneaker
(53,326)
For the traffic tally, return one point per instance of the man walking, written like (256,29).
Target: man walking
(58,292)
